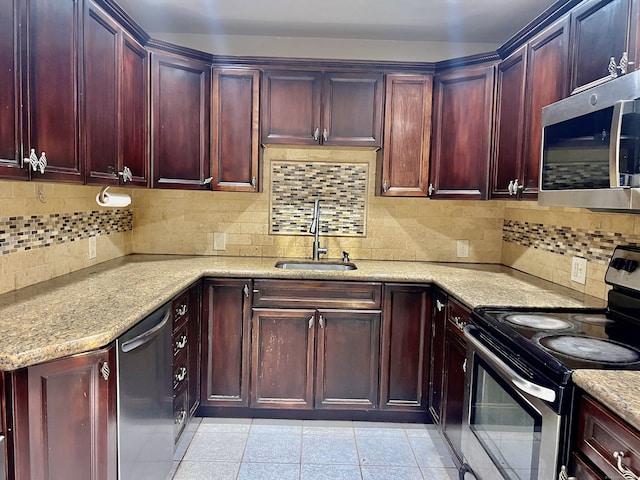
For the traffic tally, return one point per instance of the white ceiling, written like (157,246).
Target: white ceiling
(472,21)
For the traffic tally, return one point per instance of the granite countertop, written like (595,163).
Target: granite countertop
(618,390)
(90,308)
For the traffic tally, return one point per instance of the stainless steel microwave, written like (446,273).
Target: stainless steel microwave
(591,148)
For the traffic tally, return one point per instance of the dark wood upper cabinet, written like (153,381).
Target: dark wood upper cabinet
(509,124)
(115,102)
(226,342)
(407,136)
(10,99)
(600,30)
(290,107)
(352,109)
(462,119)
(180,122)
(53,69)
(406,334)
(547,74)
(312,108)
(65,426)
(234,140)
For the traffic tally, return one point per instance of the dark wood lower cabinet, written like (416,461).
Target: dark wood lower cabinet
(455,354)
(226,342)
(438,325)
(282,358)
(64,415)
(406,330)
(348,351)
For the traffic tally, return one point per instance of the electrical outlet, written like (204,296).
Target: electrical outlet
(579,270)
(463,248)
(219,241)
(92,248)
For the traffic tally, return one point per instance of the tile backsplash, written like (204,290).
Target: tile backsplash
(342,187)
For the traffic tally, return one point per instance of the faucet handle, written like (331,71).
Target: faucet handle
(345,256)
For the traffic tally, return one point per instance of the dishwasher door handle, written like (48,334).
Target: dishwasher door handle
(147,336)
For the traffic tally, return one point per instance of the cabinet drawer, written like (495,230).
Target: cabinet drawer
(181,339)
(601,433)
(180,372)
(458,317)
(180,308)
(180,414)
(316,294)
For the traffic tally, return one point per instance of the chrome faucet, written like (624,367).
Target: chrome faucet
(315,229)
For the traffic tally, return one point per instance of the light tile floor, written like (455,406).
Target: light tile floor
(261,449)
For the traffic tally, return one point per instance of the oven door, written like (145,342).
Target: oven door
(509,431)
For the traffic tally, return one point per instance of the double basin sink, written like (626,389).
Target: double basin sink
(311,265)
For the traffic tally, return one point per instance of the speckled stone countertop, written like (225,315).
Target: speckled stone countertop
(90,308)
(615,389)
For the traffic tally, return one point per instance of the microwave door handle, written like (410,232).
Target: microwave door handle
(522,384)
(619,110)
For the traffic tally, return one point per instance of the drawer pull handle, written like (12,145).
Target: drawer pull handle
(181,310)
(624,471)
(181,375)
(180,418)
(311,321)
(180,344)
(439,305)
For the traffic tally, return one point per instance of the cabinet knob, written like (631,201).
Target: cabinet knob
(316,134)
(126,175)
(439,305)
(246,290)
(325,135)
(181,374)
(385,186)
(253,182)
(105,371)
(430,190)
(322,322)
(181,343)
(311,321)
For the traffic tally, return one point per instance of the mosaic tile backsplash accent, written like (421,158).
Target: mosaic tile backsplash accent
(342,187)
(594,245)
(22,233)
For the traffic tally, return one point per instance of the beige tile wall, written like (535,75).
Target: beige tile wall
(556,267)
(21,269)
(172,221)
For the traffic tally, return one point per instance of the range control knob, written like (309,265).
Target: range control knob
(618,263)
(630,265)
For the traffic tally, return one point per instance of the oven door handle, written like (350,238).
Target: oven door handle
(522,384)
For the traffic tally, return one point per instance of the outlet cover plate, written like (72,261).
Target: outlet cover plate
(92,248)
(219,241)
(579,270)
(462,248)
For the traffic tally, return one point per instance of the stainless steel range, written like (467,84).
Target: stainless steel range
(519,394)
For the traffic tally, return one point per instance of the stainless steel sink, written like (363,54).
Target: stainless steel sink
(308,265)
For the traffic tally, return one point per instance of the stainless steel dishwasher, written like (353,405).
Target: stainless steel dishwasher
(145,399)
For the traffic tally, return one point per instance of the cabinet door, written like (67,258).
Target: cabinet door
(195,348)
(352,109)
(226,342)
(235,130)
(134,110)
(547,71)
(463,106)
(406,331)
(599,31)
(438,323)
(348,352)
(71,419)
(180,109)
(10,113)
(290,107)
(509,125)
(54,37)
(407,136)
(455,354)
(101,66)
(282,358)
